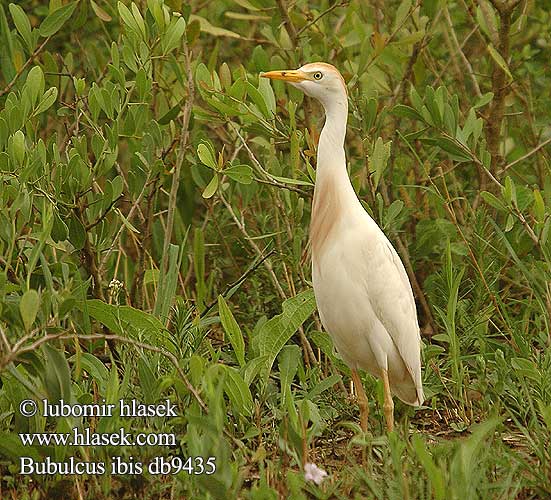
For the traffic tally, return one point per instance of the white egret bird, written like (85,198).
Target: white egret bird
(362,291)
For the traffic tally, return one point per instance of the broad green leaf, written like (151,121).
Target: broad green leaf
(267,93)
(28,307)
(258,100)
(453,147)
(47,100)
(77,233)
(53,22)
(171,39)
(483,100)
(379,159)
(238,391)
(393,211)
(275,333)
(139,20)
(323,385)
(11,446)
(510,191)
(492,200)
(128,18)
(206,156)
(104,16)
(22,24)
(407,112)
(207,27)
(232,330)
(34,83)
(211,188)
(19,146)
(240,173)
(119,319)
(57,377)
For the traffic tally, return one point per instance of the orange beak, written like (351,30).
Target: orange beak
(288,75)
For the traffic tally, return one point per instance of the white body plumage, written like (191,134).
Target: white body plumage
(362,290)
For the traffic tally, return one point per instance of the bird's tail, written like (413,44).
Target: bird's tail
(409,394)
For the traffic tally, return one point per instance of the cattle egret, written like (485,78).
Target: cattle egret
(362,291)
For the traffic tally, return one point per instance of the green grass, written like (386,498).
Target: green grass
(154,208)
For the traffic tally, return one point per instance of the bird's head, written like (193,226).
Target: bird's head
(319,80)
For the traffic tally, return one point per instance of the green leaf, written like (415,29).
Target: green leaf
(47,100)
(268,95)
(433,472)
(53,22)
(240,173)
(120,318)
(323,385)
(510,191)
(288,180)
(57,377)
(34,83)
(207,27)
(483,100)
(232,330)
(211,188)
(166,289)
(406,112)
(258,100)
(28,307)
(128,18)
(77,233)
(393,211)
(453,147)
(498,58)
(379,159)
(104,16)
(139,20)
(275,333)
(289,360)
(206,156)
(539,206)
(19,146)
(492,200)
(171,114)
(238,391)
(401,14)
(96,369)
(22,24)
(173,35)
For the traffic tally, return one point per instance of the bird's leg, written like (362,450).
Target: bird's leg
(362,400)
(388,405)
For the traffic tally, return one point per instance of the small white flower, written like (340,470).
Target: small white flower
(313,473)
(115,287)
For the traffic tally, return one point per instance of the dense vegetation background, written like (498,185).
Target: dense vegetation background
(154,204)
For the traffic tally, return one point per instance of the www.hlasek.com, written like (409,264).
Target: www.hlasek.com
(84,436)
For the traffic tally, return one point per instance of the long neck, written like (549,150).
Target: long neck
(334,196)
(331,165)
(331,143)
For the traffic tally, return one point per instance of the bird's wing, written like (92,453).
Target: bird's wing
(389,292)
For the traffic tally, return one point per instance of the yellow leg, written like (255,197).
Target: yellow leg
(388,404)
(362,400)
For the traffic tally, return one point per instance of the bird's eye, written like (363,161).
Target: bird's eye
(318,75)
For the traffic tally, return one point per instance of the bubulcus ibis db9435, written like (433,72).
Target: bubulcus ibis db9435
(362,290)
